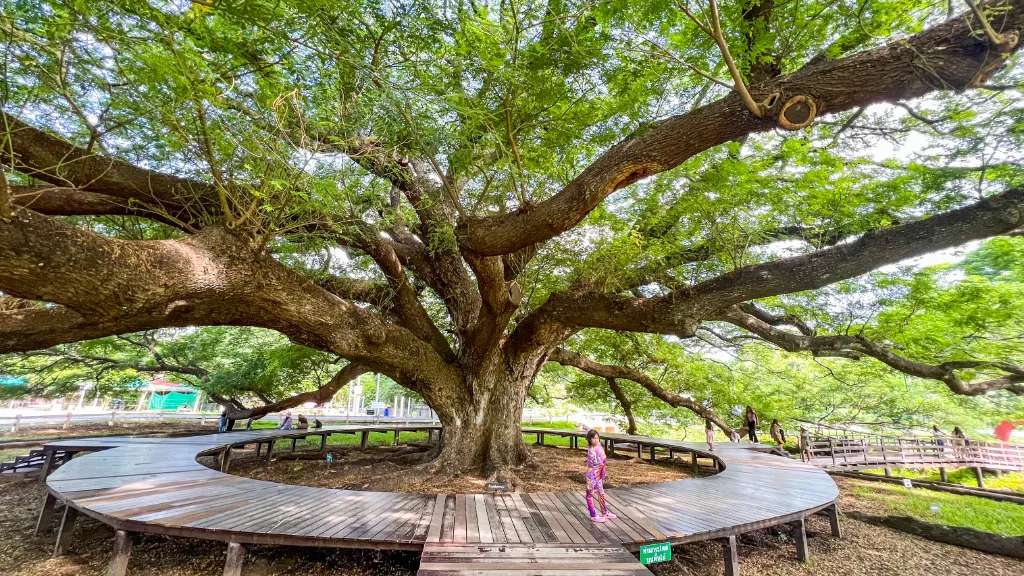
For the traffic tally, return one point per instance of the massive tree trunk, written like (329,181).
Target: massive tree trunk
(481,417)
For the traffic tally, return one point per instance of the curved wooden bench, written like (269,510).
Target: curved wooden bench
(156,485)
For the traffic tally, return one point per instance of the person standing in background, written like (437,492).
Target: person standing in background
(751,419)
(777,433)
(709,433)
(805,445)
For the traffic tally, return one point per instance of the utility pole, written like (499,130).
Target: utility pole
(376,401)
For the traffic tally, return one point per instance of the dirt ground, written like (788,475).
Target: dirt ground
(379,468)
(102,429)
(864,549)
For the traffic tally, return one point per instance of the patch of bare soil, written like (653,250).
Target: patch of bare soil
(393,469)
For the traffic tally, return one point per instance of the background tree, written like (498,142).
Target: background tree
(249,371)
(446,193)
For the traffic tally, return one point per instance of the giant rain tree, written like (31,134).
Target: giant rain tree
(448,192)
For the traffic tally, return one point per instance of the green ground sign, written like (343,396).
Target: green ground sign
(654,553)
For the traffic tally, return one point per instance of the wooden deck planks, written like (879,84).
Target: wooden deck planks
(157,482)
(528,559)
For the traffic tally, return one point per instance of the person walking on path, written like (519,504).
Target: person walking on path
(751,420)
(709,433)
(595,476)
(777,433)
(222,421)
(940,440)
(960,442)
(805,445)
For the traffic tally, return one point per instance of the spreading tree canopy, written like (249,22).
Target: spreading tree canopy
(454,193)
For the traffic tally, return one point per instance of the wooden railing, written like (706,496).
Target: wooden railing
(866,451)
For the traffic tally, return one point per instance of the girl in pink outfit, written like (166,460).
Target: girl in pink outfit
(595,477)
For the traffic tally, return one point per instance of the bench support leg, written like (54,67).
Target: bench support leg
(225,459)
(67,524)
(122,553)
(323,444)
(47,466)
(693,462)
(46,509)
(980,475)
(942,474)
(270,451)
(800,535)
(364,439)
(732,556)
(395,441)
(294,440)
(833,520)
(235,559)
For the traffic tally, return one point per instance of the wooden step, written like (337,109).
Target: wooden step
(453,559)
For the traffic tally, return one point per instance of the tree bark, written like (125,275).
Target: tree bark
(482,417)
(627,406)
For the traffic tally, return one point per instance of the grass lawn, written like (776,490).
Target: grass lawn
(385,438)
(1004,518)
(1008,481)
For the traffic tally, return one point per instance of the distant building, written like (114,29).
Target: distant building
(161,394)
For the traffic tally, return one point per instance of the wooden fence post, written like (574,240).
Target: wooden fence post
(235,559)
(122,553)
(67,525)
(800,535)
(732,558)
(46,509)
(833,520)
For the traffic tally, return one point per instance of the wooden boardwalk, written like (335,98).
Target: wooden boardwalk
(155,485)
(453,559)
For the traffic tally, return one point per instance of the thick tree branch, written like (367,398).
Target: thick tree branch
(855,347)
(608,371)
(947,56)
(680,311)
(64,201)
(992,216)
(51,159)
(107,286)
(627,406)
(318,396)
